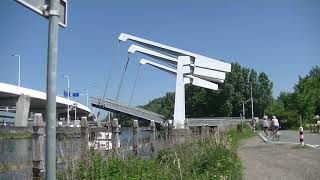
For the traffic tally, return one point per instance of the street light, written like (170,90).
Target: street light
(17,55)
(251,98)
(68,109)
(252,114)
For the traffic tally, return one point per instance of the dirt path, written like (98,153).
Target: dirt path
(278,161)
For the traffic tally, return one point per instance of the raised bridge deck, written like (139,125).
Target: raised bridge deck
(136,112)
(140,113)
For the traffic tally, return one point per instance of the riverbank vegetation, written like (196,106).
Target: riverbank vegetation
(209,158)
(15,135)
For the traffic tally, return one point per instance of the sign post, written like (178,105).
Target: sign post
(51,90)
(50,10)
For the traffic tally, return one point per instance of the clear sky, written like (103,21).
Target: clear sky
(280,38)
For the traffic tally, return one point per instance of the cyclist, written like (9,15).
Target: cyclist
(265,124)
(275,128)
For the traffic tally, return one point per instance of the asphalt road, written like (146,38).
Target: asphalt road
(268,161)
(293,137)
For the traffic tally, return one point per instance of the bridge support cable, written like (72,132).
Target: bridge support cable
(122,77)
(111,68)
(135,82)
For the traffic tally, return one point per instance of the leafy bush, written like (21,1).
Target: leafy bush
(210,158)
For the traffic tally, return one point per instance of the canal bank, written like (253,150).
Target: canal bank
(211,157)
(15,132)
(16,153)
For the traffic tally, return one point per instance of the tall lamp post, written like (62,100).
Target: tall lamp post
(19,75)
(68,109)
(243,111)
(252,114)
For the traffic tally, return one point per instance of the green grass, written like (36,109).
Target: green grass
(298,146)
(15,135)
(210,158)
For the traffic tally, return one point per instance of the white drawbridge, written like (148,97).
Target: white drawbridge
(188,67)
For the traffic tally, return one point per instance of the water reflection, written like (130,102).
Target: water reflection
(17,153)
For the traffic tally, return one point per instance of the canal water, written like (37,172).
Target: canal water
(16,154)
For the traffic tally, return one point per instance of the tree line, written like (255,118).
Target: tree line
(225,102)
(302,104)
(289,107)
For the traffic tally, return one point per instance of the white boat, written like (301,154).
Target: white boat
(102,141)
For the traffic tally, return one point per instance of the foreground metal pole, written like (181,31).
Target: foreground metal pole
(51,90)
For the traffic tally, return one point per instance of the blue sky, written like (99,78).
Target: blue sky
(280,38)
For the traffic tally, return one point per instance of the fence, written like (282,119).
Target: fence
(74,143)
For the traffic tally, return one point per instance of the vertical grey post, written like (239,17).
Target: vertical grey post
(207,130)
(37,146)
(243,116)
(166,127)
(202,130)
(51,90)
(186,131)
(135,137)
(84,135)
(152,136)
(115,135)
(170,127)
(252,113)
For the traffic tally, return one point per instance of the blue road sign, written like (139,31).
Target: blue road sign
(65,93)
(75,94)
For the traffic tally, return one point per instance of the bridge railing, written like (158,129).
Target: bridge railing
(137,112)
(216,121)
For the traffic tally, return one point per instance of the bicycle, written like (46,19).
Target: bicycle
(275,134)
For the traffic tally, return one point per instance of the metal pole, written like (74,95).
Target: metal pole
(243,111)
(51,90)
(19,69)
(87,98)
(68,89)
(252,114)
(75,111)
(68,118)
(19,82)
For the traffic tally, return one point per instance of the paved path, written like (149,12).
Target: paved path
(278,161)
(293,136)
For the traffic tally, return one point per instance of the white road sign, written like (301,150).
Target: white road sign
(41,7)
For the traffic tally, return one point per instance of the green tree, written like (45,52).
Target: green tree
(227,101)
(264,93)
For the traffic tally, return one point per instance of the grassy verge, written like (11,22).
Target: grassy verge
(15,135)
(211,158)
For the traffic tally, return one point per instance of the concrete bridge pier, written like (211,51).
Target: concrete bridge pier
(22,110)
